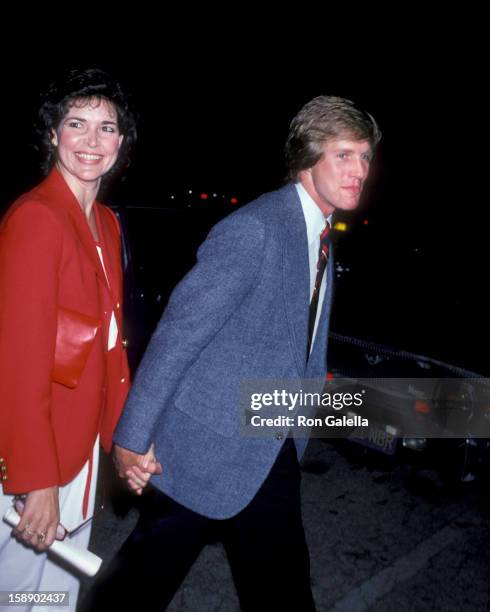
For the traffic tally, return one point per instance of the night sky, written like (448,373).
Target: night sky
(217,122)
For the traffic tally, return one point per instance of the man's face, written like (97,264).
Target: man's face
(335,182)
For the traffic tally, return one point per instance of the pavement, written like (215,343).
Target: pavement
(381,537)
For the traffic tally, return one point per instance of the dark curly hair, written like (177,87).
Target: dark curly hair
(322,119)
(77,86)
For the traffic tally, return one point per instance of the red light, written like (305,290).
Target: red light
(204,196)
(365,222)
(234,201)
(329,376)
(422,407)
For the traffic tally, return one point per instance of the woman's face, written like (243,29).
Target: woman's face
(87,140)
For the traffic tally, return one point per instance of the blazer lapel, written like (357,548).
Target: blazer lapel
(296,273)
(111,263)
(58,192)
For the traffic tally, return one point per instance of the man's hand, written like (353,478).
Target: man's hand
(40,515)
(134,468)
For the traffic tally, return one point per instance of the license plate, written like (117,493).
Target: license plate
(375,438)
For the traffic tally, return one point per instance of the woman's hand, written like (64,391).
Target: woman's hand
(39,518)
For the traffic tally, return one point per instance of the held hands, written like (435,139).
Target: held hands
(40,515)
(134,468)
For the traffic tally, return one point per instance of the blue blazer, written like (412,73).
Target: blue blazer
(241,313)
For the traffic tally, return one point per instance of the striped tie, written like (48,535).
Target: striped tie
(320,269)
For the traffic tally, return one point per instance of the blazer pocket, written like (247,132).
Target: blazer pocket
(215,411)
(75,335)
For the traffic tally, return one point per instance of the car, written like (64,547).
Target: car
(431,413)
(159,248)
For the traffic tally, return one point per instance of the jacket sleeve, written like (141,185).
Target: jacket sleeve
(30,253)
(229,261)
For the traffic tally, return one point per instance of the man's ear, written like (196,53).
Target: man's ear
(304,174)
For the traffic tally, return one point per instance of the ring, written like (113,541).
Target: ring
(27,531)
(41,537)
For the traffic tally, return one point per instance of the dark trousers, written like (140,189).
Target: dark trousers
(265,545)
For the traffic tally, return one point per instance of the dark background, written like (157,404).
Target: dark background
(213,120)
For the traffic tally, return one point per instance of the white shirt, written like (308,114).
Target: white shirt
(113,324)
(315,224)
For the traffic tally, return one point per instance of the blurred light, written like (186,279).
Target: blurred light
(215,195)
(422,407)
(340,226)
(417,444)
(233,201)
(204,196)
(190,191)
(365,222)
(329,376)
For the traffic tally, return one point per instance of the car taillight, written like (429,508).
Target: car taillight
(422,407)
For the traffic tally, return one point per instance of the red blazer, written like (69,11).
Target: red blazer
(48,259)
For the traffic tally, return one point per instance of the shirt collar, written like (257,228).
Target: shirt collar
(315,221)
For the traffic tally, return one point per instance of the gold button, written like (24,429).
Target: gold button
(125,342)
(118,305)
(4,477)
(123,379)
(2,460)
(3,468)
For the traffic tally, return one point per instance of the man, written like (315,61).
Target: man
(255,306)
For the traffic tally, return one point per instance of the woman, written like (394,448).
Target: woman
(61,283)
